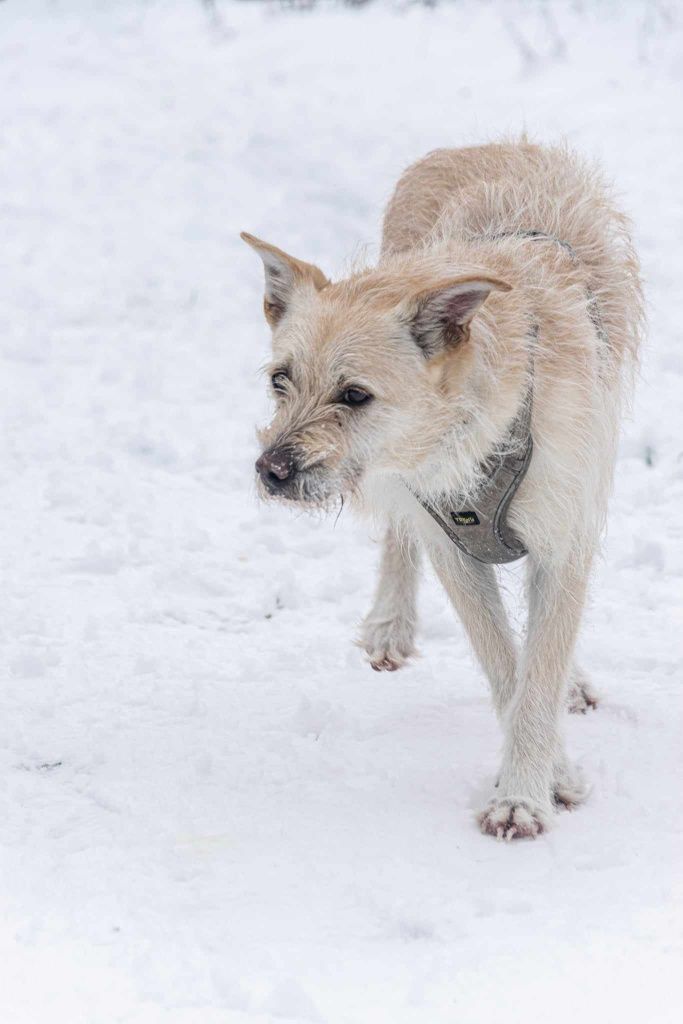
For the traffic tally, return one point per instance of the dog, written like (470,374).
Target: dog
(500,327)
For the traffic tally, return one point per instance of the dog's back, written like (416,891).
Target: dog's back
(504,192)
(439,179)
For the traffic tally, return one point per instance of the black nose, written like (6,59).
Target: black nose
(276,468)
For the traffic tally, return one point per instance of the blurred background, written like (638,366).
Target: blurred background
(214,811)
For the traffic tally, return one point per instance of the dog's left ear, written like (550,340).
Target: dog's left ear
(283,274)
(439,316)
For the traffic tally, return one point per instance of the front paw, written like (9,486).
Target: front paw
(511,818)
(388,644)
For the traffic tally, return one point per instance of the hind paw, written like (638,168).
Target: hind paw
(581,697)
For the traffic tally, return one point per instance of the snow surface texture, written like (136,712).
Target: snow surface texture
(214,810)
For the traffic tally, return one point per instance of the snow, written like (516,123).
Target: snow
(214,811)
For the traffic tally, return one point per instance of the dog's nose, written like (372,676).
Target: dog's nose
(275,468)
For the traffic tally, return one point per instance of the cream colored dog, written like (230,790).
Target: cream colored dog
(506,276)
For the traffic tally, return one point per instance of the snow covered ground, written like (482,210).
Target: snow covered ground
(213,811)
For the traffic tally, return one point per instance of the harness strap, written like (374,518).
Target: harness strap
(593,306)
(488,537)
(543,235)
(481,529)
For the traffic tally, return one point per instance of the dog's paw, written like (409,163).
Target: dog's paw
(569,786)
(581,697)
(510,818)
(386,663)
(388,645)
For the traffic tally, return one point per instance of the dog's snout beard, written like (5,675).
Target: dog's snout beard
(303,488)
(280,477)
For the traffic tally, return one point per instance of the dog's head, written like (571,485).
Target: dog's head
(361,370)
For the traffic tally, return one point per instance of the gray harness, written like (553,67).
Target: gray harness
(480,529)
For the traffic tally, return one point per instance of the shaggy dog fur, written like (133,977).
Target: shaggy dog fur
(505,272)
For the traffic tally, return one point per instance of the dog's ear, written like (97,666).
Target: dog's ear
(439,316)
(283,274)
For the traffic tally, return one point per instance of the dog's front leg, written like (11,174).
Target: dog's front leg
(474,593)
(388,631)
(535,774)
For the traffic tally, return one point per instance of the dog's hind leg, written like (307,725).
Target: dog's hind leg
(474,593)
(388,631)
(535,773)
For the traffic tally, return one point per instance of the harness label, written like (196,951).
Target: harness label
(465,518)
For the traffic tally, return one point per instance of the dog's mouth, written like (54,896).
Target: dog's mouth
(282,478)
(307,490)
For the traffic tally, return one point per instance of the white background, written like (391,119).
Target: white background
(213,810)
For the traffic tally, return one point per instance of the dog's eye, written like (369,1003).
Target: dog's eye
(279,380)
(355,396)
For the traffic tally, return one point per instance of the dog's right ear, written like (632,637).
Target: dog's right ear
(440,315)
(283,273)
